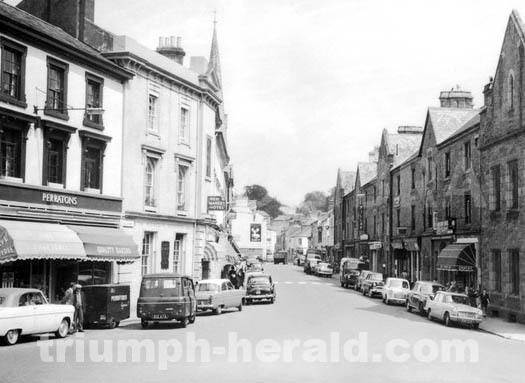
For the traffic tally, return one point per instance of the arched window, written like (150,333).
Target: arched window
(149,182)
(511,90)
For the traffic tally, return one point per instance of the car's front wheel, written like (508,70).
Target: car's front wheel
(218,310)
(409,308)
(429,314)
(446,319)
(11,337)
(63,329)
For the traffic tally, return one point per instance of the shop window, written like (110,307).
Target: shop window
(94,93)
(56,102)
(13,73)
(12,148)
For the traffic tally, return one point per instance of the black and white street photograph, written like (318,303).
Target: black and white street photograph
(260,191)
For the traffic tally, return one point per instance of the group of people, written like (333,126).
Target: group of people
(236,276)
(73,296)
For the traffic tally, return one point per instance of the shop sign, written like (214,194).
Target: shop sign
(397,201)
(59,199)
(255,232)
(216,203)
(375,245)
(364,237)
(442,228)
(7,247)
(463,268)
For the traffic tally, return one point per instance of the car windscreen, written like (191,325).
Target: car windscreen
(431,289)
(161,287)
(207,287)
(376,277)
(399,284)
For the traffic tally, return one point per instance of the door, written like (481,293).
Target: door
(25,314)
(45,319)
(190,302)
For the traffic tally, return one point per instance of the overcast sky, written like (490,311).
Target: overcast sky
(310,85)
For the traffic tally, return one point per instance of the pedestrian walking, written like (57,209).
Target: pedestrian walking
(240,278)
(232,276)
(78,302)
(472,295)
(485,300)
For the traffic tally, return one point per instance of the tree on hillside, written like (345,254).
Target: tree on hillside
(313,201)
(265,203)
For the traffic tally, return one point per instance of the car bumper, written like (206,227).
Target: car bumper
(398,300)
(255,297)
(325,273)
(204,307)
(375,291)
(465,320)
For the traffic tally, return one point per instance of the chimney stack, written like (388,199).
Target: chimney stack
(456,98)
(373,156)
(171,48)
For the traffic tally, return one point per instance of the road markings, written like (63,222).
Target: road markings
(302,283)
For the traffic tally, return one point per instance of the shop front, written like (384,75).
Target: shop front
(457,262)
(413,268)
(49,256)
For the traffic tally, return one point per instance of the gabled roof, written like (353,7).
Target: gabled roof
(402,146)
(447,121)
(520,27)
(17,18)
(367,171)
(347,181)
(469,124)
(303,232)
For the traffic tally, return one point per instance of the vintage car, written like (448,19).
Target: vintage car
(453,308)
(420,293)
(166,297)
(350,269)
(395,290)
(324,269)
(218,294)
(27,312)
(310,263)
(259,288)
(361,278)
(280,257)
(373,285)
(254,267)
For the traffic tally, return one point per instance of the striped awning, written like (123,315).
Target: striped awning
(457,257)
(21,240)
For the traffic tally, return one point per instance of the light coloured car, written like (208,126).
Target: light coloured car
(453,308)
(324,269)
(218,294)
(27,312)
(395,290)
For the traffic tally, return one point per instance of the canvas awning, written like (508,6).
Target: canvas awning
(397,244)
(457,257)
(411,244)
(21,240)
(106,244)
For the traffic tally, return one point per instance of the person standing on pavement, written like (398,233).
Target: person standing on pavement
(68,295)
(240,278)
(485,300)
(78,302)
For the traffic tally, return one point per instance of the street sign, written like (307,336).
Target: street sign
(216,203)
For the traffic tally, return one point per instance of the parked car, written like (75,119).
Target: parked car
(218,294)
(361,279)
(373,285)
(254,267)
(280,257)
(27,312)
(106,305)
(324,269)
(350,269)
(300,259)
(453,308)
(166,297)
(420,293)
(395,290)
(260,288)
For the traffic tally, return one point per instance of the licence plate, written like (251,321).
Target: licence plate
(160,316)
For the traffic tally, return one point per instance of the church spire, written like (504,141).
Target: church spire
(214,65)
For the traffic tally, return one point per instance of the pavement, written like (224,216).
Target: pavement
(315,331)
(500,327)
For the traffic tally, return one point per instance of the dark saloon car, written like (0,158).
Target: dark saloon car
(422,290)
(373,285)
(260,288)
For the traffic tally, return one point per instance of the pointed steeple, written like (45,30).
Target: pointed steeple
(214,64)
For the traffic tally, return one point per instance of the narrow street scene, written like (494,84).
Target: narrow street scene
(262,191)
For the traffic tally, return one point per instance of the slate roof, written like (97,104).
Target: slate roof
(402,146)
(32,23)
(347,180)
(447,121)
(469,124)
(367,171)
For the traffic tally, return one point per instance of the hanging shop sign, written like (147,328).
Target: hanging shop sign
(255,232)
(216,203)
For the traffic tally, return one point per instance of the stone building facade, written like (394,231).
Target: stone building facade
(502,139)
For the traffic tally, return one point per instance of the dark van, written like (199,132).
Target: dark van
(166,297)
